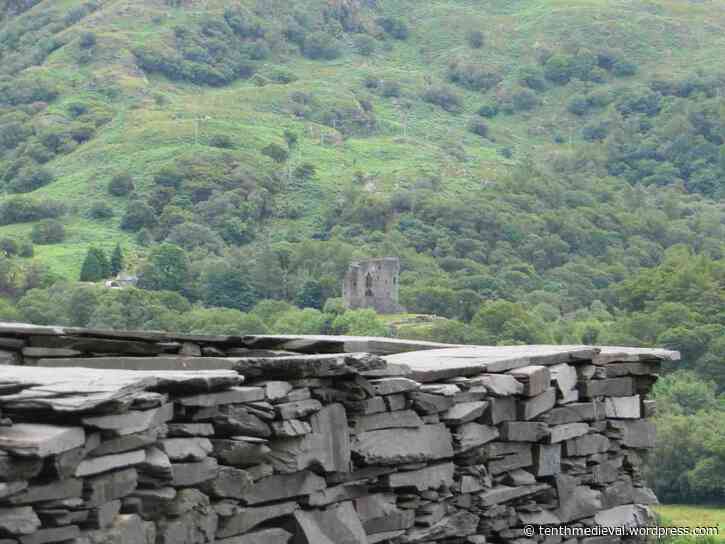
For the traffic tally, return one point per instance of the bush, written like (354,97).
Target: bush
(76,109)
(100,210)
(597,132)
(394,27)
(22,209)
(444,97)
(320,45)
(578,105)
(475,39)
(9,247)
(31,179)
(365,45)
(87,40)
(478,127)
(48,231)
(276,152)
(121,185)
(488,110)
(138,215)
(221,141)
(169,177)
(525,100)
(389,89)
(623,68)
(475,77)
(305,171)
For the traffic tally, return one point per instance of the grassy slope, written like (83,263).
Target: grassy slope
(694,516)
(153,118)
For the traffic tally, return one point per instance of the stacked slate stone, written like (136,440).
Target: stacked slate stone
(121,437)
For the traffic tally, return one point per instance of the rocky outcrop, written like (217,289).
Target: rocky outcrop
(124,437)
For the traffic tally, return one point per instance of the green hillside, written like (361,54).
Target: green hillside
(547,171)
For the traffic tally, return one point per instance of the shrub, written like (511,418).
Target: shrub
(394,27)
(390,89)
(76,109)
(138,215)
(276,152)
(121,185)
(100,210)
(9,246)
(525,100)
(623,68)
(533,78)
(365,45)
(48,231)
(475,39)
(597,132)
(22,209)
(31,179)
(444,97)
(305,171)
(87,40)
(579,105)
(222,141)
(559,69)
(488,110)
(169,177)
(478,127)
(321,45)
(475,77)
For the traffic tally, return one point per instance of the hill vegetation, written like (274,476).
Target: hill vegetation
(547,170)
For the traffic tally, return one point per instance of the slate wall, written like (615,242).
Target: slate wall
(241,440)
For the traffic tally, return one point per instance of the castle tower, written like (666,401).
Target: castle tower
(373,283)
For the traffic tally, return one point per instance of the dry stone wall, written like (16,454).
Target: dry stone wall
(154,438)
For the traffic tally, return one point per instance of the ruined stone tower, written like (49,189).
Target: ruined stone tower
(373,283)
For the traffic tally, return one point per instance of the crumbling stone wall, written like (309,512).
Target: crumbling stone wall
(267,440)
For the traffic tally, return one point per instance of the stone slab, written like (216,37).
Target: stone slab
(400,446)
(623,407)
(387,420)
(534,378)
(533,406)
(39,440)
(430,477)
(245,519)
(441,364)
(282,487)
(338,524)
(233,395)
(133,421)
(97,465)
(266,536)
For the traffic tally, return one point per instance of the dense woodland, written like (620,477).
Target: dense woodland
(550,191)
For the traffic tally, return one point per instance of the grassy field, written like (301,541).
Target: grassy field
(152,119)
(682,515)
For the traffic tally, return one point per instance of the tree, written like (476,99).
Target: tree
(95,266)
(321,45)
(121,185)
(138,215)
(117,260)
(226,285)
(276,152)
(167,269)
(360,323)
(48,231)
(310,296)
(307,321)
